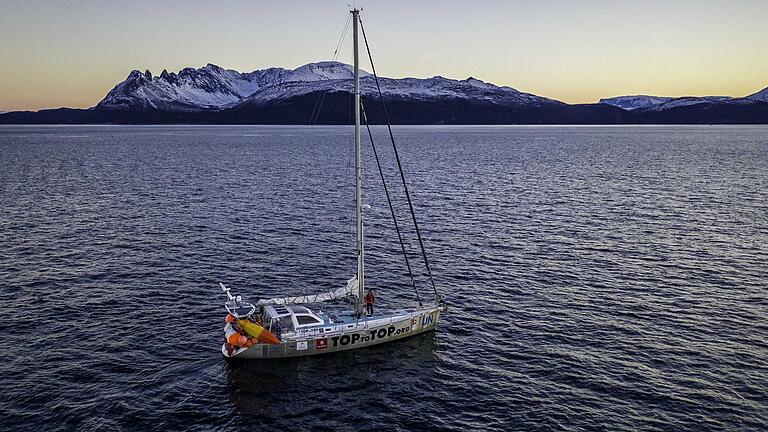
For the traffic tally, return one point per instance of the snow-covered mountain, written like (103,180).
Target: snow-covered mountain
(761,96)
(405,88)
(322,71)
(634,102)
(319,93)
(215,88)
(210,87)
(660,103)
(687,101)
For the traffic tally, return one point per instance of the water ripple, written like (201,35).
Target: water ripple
(609,278)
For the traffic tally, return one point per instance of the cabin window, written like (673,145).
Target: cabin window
(306,319)
(286,323)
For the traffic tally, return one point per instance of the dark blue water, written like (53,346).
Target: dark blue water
(600,278)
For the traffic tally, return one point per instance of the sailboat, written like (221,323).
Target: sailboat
(284,327)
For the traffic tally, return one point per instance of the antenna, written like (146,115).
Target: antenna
(226,290)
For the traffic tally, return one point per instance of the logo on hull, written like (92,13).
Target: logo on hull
(427,320)
(371,335)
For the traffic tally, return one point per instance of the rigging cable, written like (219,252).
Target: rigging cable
(319,103)
(399,165)
(389,201)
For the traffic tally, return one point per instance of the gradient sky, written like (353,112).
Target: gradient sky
(71,53)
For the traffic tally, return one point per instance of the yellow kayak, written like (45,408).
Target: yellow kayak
(256,331)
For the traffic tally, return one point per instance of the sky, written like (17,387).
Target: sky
(72,52)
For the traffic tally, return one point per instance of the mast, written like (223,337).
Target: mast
(358,174)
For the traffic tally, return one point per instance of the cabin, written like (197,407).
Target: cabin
(291,318)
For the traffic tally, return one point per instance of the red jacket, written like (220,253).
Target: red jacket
(369,298)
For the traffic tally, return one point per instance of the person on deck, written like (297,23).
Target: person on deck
(369,299)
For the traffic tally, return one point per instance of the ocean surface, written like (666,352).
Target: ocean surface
(599,278)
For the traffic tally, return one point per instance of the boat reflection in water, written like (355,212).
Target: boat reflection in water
(263,388)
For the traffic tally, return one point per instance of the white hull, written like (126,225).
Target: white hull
(345,337)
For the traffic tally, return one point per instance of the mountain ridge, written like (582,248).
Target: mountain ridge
(320,93)
(213,87)
(661,103)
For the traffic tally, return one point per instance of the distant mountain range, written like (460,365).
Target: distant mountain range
(320,93)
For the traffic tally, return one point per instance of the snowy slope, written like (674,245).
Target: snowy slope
(660,103)
(634,102)
(213,87)
(687,101)
(210,87)
(322,71)
(404,88)
(761,96)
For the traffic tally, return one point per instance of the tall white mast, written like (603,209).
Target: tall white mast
(358,175)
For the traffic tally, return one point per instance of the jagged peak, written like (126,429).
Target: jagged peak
(211,66)
(187,71)
(479,83)
(137,74)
